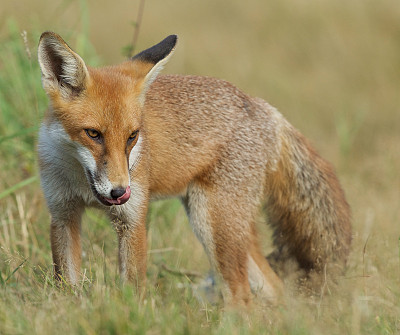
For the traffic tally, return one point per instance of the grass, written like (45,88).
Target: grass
(332,68)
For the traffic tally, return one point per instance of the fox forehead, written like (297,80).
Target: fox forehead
(109,104)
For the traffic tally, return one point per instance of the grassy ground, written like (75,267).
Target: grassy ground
(331,67)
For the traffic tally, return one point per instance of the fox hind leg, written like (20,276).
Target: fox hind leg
(264,281)
(227,234)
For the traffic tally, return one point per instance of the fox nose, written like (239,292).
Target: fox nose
(117,192)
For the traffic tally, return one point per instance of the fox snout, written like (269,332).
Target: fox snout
(119,196)
(106,193)
(107,174)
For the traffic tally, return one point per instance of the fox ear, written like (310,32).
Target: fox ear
(150,62)
(63,70)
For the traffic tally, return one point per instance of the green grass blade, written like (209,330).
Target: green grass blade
(15,270)
(17,186)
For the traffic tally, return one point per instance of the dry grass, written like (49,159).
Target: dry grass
(331,67)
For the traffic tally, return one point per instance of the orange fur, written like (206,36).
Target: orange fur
(201,139)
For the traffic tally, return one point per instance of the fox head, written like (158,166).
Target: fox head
(98,111)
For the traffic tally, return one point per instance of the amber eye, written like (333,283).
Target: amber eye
(93,134)
(133,136)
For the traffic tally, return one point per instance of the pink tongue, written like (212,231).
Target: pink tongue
(122,199)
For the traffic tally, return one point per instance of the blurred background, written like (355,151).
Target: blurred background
(332,68)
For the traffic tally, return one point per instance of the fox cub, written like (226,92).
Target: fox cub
(115,137)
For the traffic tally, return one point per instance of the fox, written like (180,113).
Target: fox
(117,137)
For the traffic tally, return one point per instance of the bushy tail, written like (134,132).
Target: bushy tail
(306,206)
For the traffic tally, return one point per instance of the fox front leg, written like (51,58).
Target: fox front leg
(65,236)
(132,252)
(129,222)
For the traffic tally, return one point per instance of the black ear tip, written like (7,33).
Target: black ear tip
(159,51)
(169,42)
(173,39)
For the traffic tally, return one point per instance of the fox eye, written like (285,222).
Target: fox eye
(133,136)
(93,134)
